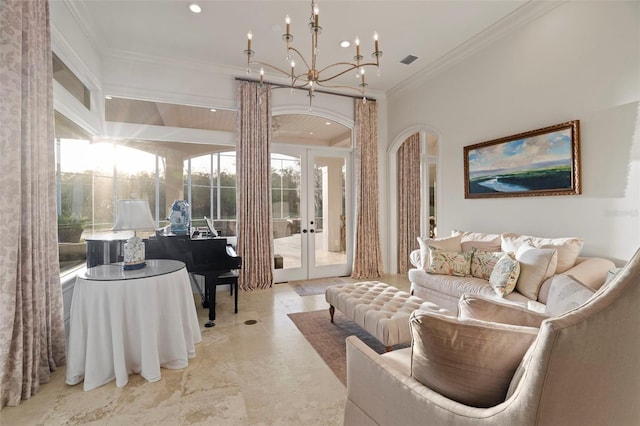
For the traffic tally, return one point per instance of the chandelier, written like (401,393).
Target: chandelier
(312,77)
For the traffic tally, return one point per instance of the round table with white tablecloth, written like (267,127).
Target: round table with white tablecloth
(125,322)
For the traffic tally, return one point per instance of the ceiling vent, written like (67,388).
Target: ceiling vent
(408,60)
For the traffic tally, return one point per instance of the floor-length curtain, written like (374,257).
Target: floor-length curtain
(253,156)
(32,341)
(408,199)
(367,262)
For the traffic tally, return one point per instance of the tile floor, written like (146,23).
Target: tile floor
(261,374)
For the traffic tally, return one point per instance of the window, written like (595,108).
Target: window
(90,179)
(285,186)
(67,79)
(209,183)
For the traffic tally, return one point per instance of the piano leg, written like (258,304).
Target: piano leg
(210,284)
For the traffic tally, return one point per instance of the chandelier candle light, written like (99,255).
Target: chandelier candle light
(313,77)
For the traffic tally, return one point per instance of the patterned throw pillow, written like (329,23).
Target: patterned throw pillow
(483,262)
(449,262)
(449,243)
(505,275)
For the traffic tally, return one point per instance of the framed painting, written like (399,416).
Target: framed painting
(540,162)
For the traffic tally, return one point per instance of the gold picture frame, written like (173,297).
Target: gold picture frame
(539,162)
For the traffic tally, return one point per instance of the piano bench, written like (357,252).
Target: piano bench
(230,278)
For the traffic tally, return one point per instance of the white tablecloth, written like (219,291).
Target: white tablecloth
(129,326)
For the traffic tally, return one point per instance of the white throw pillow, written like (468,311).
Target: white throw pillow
(449,243)
(478,240)
(510,242)
(536,265)
(566,294)
(505,274)
(568,248)
(466,360)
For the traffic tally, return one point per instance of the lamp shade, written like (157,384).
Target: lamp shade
(133,215)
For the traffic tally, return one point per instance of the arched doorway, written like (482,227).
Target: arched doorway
(427,191)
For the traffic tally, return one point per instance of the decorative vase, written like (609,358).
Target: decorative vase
(180,217)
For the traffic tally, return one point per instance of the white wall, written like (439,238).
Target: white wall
(579,61)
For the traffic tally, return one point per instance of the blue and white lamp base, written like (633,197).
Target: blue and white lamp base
(134,254)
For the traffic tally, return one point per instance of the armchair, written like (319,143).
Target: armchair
(583,368)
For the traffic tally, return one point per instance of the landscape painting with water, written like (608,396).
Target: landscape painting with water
(539,162)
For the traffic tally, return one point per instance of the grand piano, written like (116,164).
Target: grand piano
(213,258)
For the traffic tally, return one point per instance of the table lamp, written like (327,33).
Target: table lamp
(134,215)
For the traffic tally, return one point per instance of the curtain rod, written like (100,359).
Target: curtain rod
(284,86)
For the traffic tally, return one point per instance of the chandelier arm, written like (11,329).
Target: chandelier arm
(351,66)
(299,56)
(272,67)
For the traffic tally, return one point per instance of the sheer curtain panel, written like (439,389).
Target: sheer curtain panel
(32,342)
(367,262)
(253,153)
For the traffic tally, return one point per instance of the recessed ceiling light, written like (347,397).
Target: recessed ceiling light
(213,110)
(311,133)
(328,123)
(345,43)
(194,7)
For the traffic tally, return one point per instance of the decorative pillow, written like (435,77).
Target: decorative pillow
(473,306)
(449,243)
(466,360)
(568,248)
(565,294)
(505,275)
(568,251)
(510,242)
(536,265)
(449,262)
(478,240)
(483,262)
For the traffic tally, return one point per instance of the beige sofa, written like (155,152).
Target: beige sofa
(581,369)
(568,272)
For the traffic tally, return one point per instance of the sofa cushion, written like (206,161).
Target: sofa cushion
(449,243)
(536,265)
(467,360)
(449,262)
(568,248)
(505,274)
(483,262)
(591,272)
(565,294)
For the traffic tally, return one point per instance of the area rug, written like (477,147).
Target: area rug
(317,286)
(328,339)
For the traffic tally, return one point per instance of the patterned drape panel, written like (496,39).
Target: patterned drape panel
(32,342)
(367,262)
(408,200)
(253,156)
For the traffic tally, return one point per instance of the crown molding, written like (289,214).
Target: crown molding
(82,17)
(525,14)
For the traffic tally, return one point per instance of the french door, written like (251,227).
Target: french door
(311,213)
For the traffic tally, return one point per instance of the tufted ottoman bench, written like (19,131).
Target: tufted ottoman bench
(380,309)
